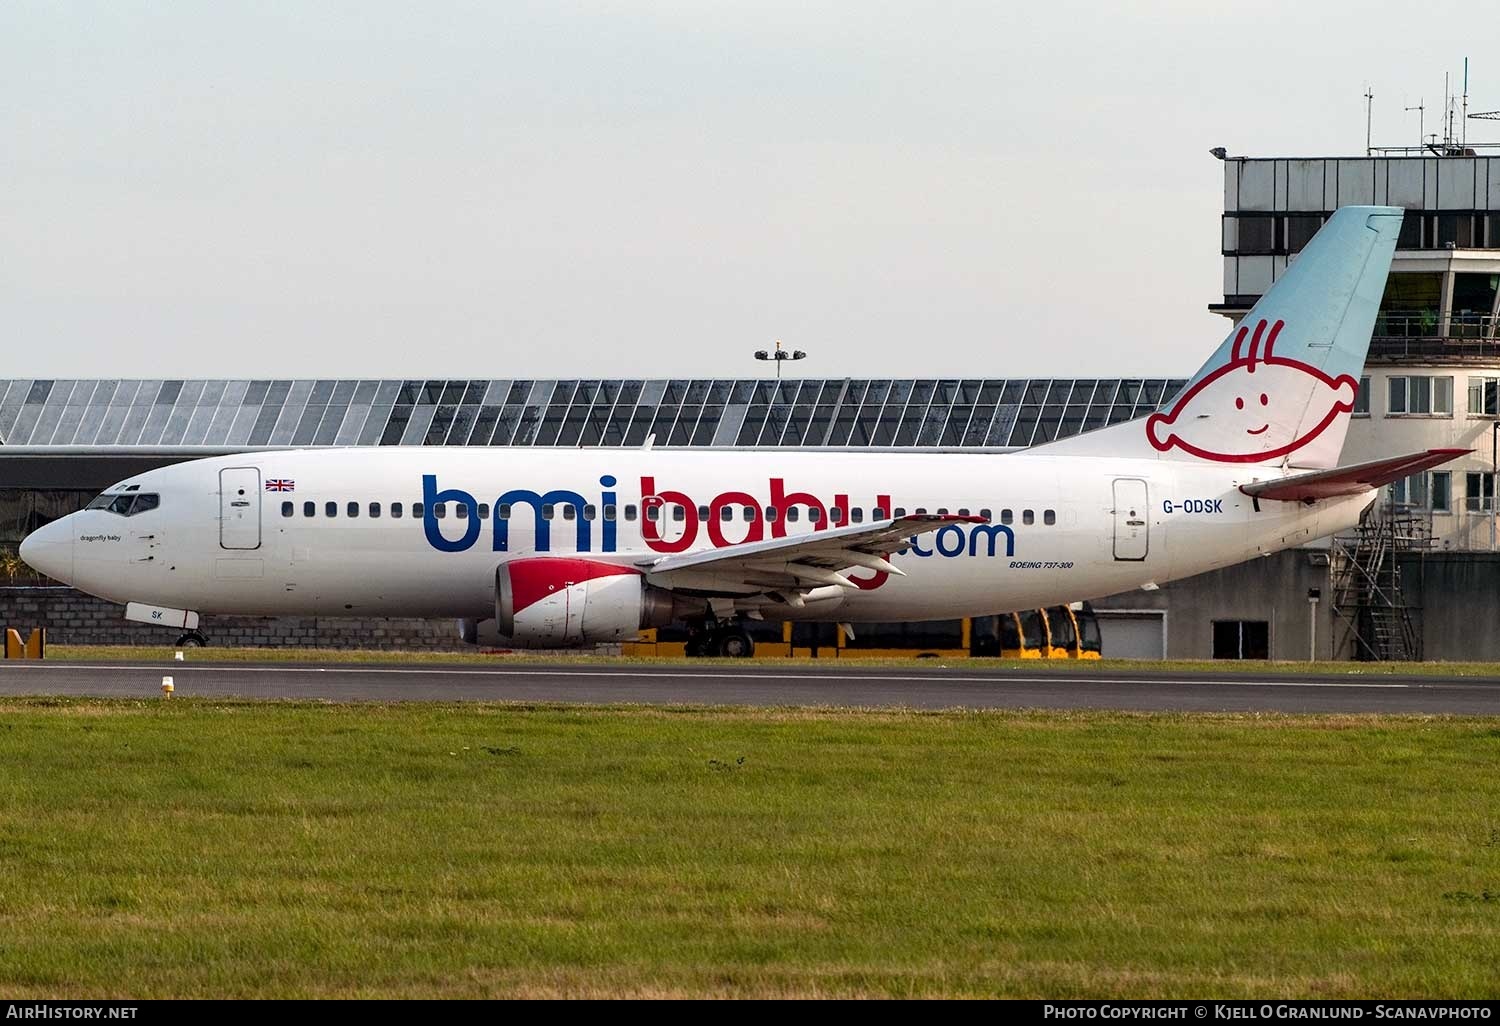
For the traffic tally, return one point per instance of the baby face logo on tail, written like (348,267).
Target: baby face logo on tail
(1257,407)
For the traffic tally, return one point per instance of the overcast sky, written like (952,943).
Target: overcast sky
(658,189)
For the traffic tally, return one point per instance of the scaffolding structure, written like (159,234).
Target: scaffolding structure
(1373,614)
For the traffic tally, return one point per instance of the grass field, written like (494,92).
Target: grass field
(136,654)
(198,848)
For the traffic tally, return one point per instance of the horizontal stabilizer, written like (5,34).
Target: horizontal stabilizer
(1361,477)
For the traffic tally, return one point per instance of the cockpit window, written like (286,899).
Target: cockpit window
(126,505)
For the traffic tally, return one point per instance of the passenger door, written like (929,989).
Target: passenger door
(239,508)
(1132,519)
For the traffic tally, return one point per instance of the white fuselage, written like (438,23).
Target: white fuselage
(1062,528)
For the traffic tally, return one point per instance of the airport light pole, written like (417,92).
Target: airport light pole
(779,355)
(1313,594)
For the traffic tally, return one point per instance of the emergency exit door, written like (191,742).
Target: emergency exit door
(1132,519)
(239,508)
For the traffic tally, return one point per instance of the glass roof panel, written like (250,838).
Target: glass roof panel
(353,422)
(979,426)
(931,431)
(463,422)
(243,425)
(156,423)
(707,427)
(177,423)
(442,422)
(67,427)
(416,427)
(103,426)
(957,427)
(307,424)
(217,431)
(374,430)
(484,425)
(188,395)
(291,412)
(20,431)
(198,427)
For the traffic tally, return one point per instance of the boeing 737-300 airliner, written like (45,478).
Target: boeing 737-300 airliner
(560,548)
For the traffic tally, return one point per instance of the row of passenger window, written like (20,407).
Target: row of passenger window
(678,513)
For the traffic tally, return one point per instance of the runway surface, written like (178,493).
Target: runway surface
(969,686)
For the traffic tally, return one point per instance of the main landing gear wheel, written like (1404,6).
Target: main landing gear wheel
(732,642)
(192,639)
(735,644)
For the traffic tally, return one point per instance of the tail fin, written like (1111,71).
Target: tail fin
(1280,389)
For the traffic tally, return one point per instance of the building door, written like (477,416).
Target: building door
(1133,634)
(1132,519)
(239,508)
(1242,639)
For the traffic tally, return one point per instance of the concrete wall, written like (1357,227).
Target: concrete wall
(1272,588)
(1455,595)
(1459,593)
(72,618)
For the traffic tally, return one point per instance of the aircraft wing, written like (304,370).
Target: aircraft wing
(801,562)
(1351,480)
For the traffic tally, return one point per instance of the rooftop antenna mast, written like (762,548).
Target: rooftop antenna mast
(1448,114)
(1421,120)
(1369,107)
(1463,123)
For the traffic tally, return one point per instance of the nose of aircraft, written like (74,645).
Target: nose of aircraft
(49,550)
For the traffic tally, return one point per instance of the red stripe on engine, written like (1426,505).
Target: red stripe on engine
(532,580)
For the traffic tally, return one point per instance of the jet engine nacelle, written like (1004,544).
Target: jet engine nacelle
(546,602)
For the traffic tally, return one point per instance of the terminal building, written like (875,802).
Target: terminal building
(1416,580)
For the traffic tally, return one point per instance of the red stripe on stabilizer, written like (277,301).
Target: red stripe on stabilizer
(1341,481)
(532,580)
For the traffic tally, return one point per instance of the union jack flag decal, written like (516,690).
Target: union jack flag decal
(281,484)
